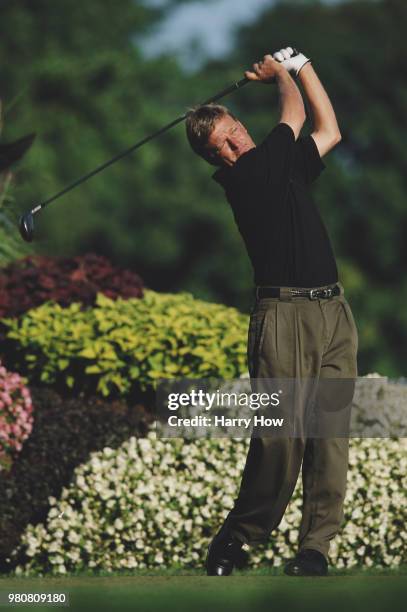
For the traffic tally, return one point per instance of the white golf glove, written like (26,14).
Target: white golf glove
(291,59)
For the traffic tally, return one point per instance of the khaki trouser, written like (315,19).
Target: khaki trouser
(297,338)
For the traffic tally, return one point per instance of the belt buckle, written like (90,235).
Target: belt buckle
(313,294)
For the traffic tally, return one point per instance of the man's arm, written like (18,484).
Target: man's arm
(325,127)
(292,109)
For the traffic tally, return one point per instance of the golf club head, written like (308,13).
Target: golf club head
(27,226)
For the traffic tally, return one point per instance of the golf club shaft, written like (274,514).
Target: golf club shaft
(116,158)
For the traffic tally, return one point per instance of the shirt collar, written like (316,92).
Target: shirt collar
(226,173)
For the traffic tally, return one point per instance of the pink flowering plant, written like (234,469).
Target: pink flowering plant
(16,419)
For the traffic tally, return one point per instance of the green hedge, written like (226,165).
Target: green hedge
(155,503)
(122,344)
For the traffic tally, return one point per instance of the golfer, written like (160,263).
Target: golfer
(301,326)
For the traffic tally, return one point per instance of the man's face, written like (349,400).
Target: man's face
(228,140)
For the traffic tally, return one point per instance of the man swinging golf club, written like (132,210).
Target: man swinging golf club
(301,325)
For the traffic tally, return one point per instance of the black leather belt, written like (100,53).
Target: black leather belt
(312,294)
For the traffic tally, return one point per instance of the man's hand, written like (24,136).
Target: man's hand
(291,59)
(265,71)
(291,104)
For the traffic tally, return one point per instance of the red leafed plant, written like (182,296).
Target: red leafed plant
(16,420)
(35,279)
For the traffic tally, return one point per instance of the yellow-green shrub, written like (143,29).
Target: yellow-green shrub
(117,344)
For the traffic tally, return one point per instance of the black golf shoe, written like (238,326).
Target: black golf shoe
(223,552)
(307,562)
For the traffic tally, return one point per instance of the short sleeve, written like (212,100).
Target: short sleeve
(277,149)
(308,161)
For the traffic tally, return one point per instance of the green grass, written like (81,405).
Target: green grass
(400,570)
(171,590)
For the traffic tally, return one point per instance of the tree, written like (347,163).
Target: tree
(88,93)
(75,75)
(10,248)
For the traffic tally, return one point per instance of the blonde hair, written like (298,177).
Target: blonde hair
(200,122)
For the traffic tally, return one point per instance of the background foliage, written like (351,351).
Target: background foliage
(66,431)
(75,74)
(16,419)
(33,280)
(124,345)
(155,503)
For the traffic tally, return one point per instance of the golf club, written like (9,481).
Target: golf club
(26,224)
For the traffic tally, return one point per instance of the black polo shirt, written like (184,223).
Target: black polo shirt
(268,189)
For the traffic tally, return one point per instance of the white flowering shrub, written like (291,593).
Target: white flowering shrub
(155,503)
